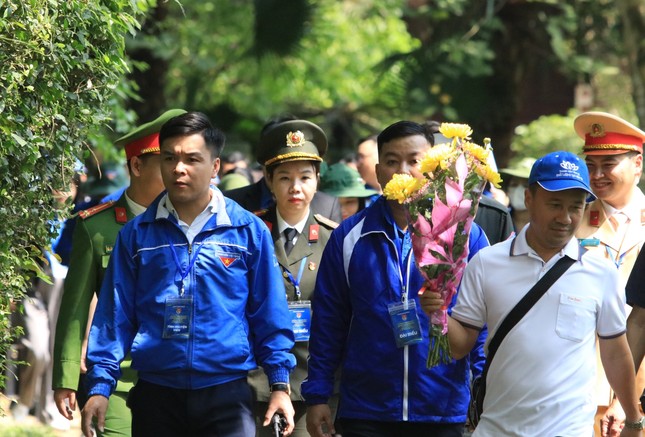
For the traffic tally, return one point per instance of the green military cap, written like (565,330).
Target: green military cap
(521,169)
(293,140)
(145,138)
(340,180)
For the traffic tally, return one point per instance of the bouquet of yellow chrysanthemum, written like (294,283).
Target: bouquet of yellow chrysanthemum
(441,208)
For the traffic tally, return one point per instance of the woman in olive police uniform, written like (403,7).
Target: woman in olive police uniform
(292,153)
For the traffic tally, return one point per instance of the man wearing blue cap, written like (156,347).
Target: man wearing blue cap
(540,379)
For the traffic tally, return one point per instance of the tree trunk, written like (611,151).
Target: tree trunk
(633,15)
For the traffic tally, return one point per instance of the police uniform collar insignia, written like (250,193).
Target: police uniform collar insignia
(295,139)
(120,214)
(314,231)
(597,130)
(594,218)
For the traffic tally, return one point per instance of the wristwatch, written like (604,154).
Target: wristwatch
(281,386)
(639,424)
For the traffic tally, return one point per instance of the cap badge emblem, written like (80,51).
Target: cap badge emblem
(295,139)
(597,130)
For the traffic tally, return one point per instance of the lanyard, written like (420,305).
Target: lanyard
(403,248)
(611,256)
(296,281)
(191,263)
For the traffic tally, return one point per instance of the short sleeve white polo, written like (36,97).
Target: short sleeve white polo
(541,381)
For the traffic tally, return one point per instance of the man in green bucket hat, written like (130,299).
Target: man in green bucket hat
(344,182)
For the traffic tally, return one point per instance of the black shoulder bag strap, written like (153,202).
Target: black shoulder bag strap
(523,307)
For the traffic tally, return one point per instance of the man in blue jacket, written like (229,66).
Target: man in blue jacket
(385,389)
(193,291)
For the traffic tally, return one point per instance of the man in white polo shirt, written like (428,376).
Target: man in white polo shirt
(541,380)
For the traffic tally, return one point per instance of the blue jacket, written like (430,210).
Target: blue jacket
(240,316)
(360,274)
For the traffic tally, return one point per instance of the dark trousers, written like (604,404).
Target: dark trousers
(223,410)
(373,428)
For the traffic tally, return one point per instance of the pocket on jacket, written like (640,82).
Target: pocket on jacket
(576,317)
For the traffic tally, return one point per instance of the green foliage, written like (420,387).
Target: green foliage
(27,431)
(334,71)
(547,134)
(60,62)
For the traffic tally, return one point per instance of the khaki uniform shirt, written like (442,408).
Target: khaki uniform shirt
(596,233)
(305,247)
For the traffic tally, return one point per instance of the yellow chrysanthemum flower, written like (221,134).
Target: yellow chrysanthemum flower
(455,130)
(402,187)
(477,151)
(489,174)
(436,156)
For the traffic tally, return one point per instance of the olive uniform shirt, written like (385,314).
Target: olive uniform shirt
(94,237)
(309,247)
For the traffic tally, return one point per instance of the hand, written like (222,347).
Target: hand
(96,406)
(613,421)
(430,300)
(65,408)
(279,402)
(317,417)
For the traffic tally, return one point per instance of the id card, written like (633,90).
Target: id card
(300,319)
(405,323)
(178,317)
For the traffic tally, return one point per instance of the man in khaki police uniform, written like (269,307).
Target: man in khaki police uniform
(614,224)
(94,238)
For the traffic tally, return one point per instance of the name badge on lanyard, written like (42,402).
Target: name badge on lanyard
(300,319)
(178,317)
(300,310)
(405,323)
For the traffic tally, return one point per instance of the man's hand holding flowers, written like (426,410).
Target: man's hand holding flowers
(441,199)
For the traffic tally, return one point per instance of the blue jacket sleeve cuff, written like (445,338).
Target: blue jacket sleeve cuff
(102,389)
(278,375)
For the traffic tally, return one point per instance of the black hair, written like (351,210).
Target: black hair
(432,126)
(402,129)
(242,171)
(371,137)
(192,123)
(233,157)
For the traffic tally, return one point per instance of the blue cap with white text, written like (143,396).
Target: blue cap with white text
(560,171)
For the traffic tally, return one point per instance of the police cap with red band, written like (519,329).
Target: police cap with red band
(607,134)
(145,138)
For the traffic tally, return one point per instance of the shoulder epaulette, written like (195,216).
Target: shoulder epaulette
(95,209)
(329,223)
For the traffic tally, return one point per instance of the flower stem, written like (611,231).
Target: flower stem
(439,352)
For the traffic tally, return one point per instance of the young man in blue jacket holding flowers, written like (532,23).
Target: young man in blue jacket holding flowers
(193,291)
(367,269)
